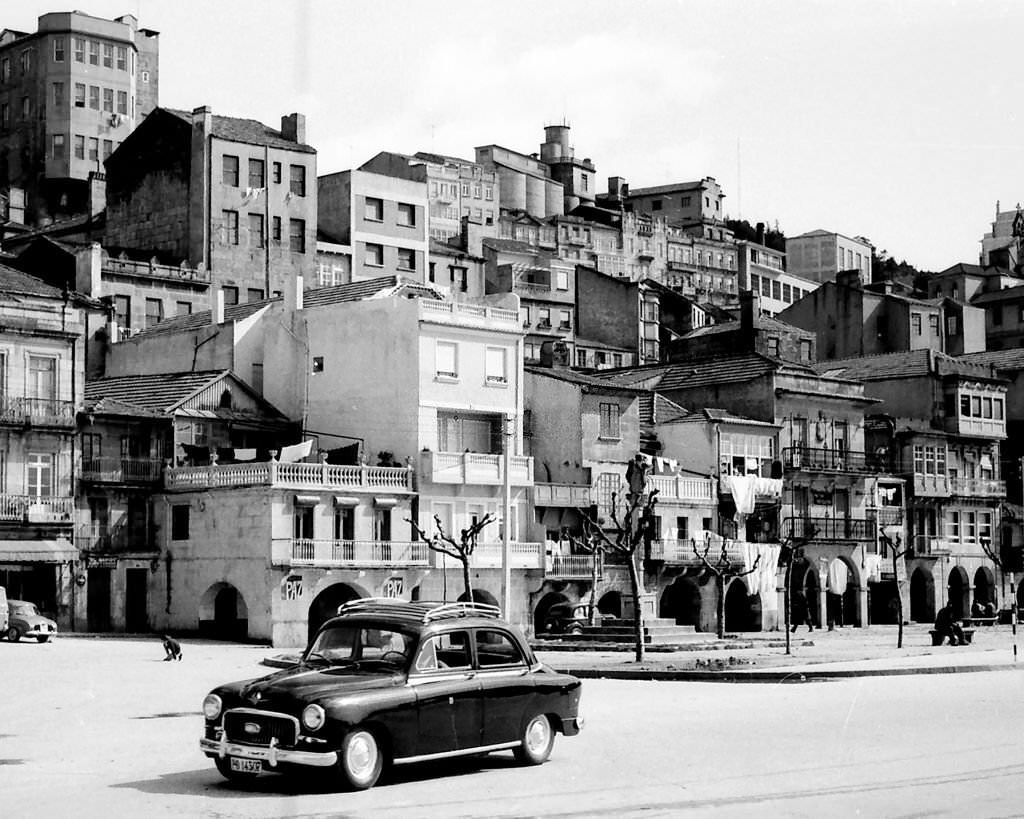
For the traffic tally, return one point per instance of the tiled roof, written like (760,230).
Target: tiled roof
(249,131)
(960,268)
(635,376)
(999,295)
(714,415)
(909,364)
(14,282)
(1000,359)
(582,379)
(384,287)
(665,411)
(159,392)
(678,186)
(195,321)
(764,323)
(512,246)
(700,372)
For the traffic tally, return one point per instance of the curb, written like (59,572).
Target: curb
(790,676)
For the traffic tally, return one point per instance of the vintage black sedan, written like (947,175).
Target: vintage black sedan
(388,682)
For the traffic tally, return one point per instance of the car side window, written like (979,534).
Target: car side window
(495,648)
(450,650)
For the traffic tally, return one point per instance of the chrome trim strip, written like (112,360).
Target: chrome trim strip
(483,749)
(271,755)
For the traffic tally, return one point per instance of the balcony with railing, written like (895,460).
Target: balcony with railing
(328,554)
(564,495)
(522,555)
(573,567)
(153,270)
(823,459)
(111,469)
(977,487)
(678,488)
(41,412)
(98,539)
(37,509)
(290,476)
(475,468)
(831,529)
(930,546)
(930,486)
(688,551)
(468,315)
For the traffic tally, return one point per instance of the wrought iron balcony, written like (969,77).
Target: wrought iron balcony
(831,529)
(348,553)
(573,567)
(37,509)
(823,459)
(43,412)
(111,469)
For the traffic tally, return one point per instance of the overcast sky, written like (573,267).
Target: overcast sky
(892,120)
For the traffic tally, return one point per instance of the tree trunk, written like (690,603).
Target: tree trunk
(465,579)
(899,599)
(720,582)
(785,598)
(592,611)
(638,615)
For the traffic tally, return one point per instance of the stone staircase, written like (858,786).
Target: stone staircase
(657,631)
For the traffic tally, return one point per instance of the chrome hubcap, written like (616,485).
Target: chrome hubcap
(537,734)
(361,755)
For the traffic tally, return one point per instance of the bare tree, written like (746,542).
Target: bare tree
(591,545)
(723,569)
(629,525)
(896,553)
(461,549)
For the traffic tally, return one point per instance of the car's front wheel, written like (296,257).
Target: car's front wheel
(360,760)
(14,634)
(224,766)
(538,740)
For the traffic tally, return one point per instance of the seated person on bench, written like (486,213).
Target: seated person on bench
(947,625)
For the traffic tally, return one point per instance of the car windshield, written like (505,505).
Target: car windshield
(348,644)
(24,609)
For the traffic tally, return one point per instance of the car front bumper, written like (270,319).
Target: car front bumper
(39,631)
(571,726)
(271,754)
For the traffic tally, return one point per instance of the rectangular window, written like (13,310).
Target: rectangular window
(108,147)
(229,165)
(257,177)
(609,424)
(122,102)
(40,475)
(26,61)
(79,95)
(951,325)
(773,347)
(915,323)
(108,55)
(123,312)
(94,53)
(776,291)
(275,223)
(374,255)
(561,280)
(297,183)
(57,146)
(58,95)
(406,258)
(276,168)
(543,317)
(58,49)
(495,366)
(183,308)
(79,44)
(382,524)
(564,319)
(446,359)
(42,374)
(122,58)
(256,238)
(230,218)
(344,523)
(297,235)
(94,97)
(94,149)
(154,312)
(787,293)
(805,349)
(230,295)
(180,514)
(303,516)
(406,214)
(373,209)
(108,100)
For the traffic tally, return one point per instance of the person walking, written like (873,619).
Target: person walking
(798,611)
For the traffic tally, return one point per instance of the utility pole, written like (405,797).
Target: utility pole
(508,439)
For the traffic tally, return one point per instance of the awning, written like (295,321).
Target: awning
(306,500)
(385,503)
(37,551)
(345,500)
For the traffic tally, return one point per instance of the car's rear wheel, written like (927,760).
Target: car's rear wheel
(224,766)
(360,760)
(537,742)
(14,634)
(43,638)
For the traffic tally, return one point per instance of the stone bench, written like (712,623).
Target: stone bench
(937,639)
(980,621)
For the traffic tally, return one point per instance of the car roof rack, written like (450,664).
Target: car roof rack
(421,610)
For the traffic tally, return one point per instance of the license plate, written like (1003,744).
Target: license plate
(246,765)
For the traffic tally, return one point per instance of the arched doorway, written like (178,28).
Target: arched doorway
(610,604)
(681,602)
(922,596)
(738,607)
(959,592)
(480,596)
(984,587)
(325,605)
(223,614)
(540,613)
(803,579)
(842,594)
(883,600)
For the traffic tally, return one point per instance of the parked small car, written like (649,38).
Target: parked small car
(567,618)
(3,611)
(390,683)
(24,620)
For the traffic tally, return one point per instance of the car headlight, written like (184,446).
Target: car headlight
(313,717)
(212,706)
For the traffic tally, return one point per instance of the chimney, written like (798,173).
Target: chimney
(97,193)
(293,128)
(88,264)
(217,313)
(293,296)
(760,233)
(750,312)
(554,354)
(849,278)
(472,237)
(617,188)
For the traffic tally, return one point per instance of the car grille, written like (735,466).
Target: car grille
(239,726)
